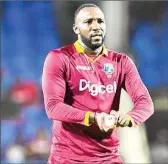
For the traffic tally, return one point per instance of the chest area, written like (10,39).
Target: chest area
(102,75)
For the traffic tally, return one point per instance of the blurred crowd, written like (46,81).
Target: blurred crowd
(25,128)
(27,36)
(29,32)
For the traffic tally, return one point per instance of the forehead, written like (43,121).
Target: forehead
(89,13)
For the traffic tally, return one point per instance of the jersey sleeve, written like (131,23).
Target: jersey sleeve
(54,88)
(143,105)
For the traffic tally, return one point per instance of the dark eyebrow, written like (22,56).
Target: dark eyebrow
(100,19)
(91,19)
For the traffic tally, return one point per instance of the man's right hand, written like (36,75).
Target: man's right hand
(105,121)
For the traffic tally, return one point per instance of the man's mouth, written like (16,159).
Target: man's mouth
(96,35)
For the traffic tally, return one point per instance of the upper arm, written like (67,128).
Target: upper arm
(53,77)
(132,80)
(143,105)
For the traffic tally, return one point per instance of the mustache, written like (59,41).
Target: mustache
(97,34)
(93,35)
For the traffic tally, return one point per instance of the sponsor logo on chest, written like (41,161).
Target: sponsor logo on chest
(83,67)
(95,89)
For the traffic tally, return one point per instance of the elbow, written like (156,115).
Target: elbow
(149,105)
(51,111)
(152,108)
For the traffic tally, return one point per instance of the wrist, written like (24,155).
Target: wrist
(89,117)
(92,118)
(131,121)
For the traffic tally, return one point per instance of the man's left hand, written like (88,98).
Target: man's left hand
(124,120)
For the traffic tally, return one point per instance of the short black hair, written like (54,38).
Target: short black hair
(83,6)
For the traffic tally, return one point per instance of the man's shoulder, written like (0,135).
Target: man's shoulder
(60,55)
(64,51)
(117,55)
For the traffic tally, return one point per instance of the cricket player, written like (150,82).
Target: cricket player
(81,84)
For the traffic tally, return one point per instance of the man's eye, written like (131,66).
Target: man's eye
(100,21)
(89,21)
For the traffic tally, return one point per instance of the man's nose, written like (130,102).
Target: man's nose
(95,25)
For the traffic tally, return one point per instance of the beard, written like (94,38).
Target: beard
(92,43)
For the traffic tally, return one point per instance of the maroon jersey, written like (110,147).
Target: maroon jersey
(74,84)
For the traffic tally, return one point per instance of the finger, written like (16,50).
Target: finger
(110,128)
(118,115)
(101,123)
(113,112)
(98,121)
(120,118)
(122,122)
(109,123)
(126,123)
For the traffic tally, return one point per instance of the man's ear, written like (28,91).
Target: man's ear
(76,29)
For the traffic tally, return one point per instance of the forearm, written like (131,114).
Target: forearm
(63,112)
(142,110)
(143,105)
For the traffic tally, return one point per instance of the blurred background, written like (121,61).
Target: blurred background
(31,29)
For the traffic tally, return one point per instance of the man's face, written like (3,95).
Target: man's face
(90,26)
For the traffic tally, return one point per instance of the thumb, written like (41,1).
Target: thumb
(115,113)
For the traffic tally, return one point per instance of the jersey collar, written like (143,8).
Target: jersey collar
(80,49)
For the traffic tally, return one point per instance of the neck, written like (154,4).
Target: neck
(89,51)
